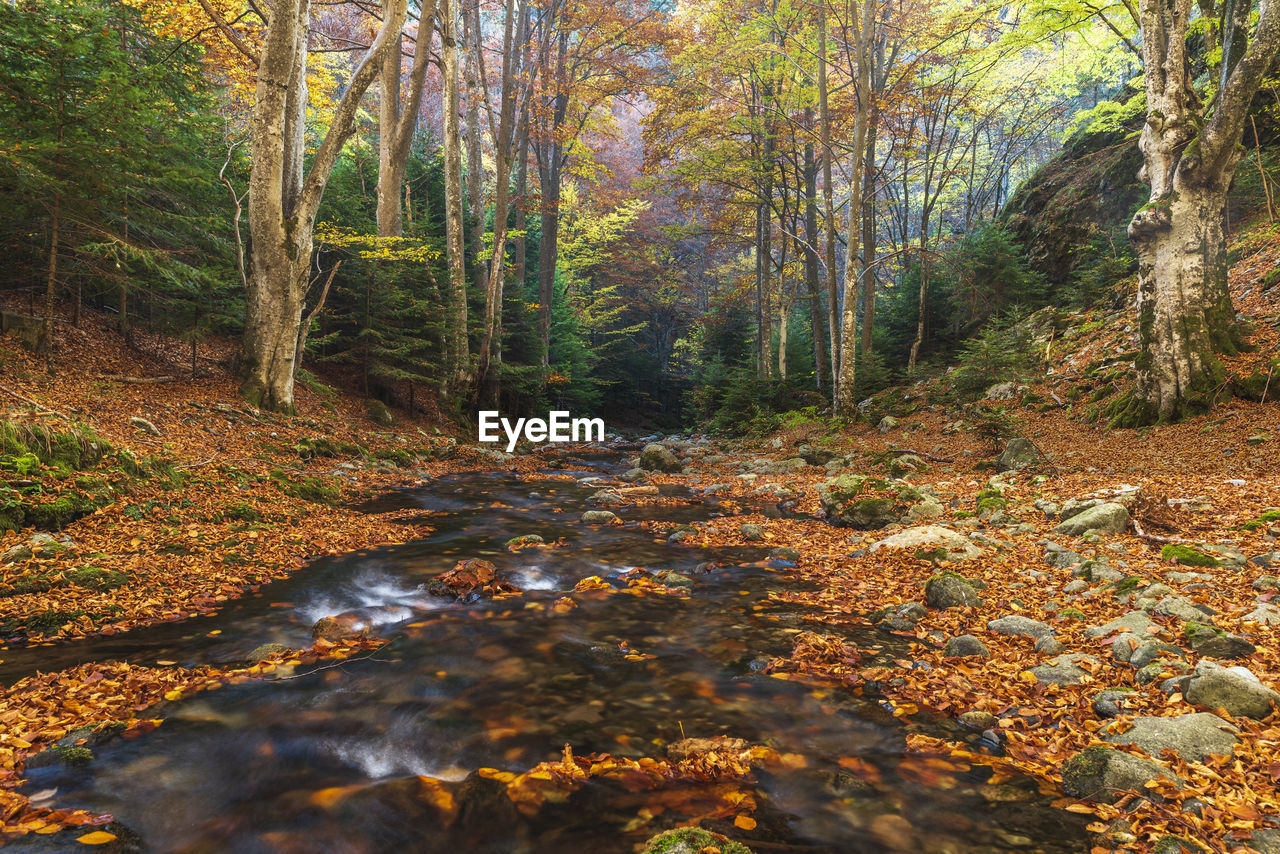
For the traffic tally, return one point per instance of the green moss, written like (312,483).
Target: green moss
(73,755)
(57,514)
(525,540)
(307,488)
(1126,585)
(240,512)
(691,839)
(325,447)
(1071,613)
(94,578)
(400,457)
(1187,556)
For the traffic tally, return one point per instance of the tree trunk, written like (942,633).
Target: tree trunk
(846,383)
(817,321)
(784,317)
(1185,313)
(475,162)
(51,283)
(457,358)
(283,201)
(396,123)
(869,240)
(824,124)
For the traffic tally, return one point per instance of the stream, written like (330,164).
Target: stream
(254,767)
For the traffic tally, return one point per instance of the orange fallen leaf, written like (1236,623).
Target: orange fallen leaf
(98,837)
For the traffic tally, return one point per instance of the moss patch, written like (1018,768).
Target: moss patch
(1187,556)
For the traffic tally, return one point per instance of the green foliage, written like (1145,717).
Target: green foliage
(1002,352)
(1187,556)
(987,276)
(116,130)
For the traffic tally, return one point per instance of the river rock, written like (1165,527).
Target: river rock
(470,580)
(1017,455)
(978,720)
(264,652)
(786,553)
(1020,626)
(1104,774)
(606,498)
(632,475)
(949,590)
(1063,669)
(815,456)
(845,507)
(1181,609)
(1215,643)
(339,628)
(1107,518)
(657,457)
(1235,689)
(599,517)
(1111,702)
(1265,614)
(1149,652)
(964,646)
(692,840)
(932,541)
(1193,736)
(1134,621)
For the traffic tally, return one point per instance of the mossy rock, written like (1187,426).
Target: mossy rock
(22,464)
(692,840)
(1128,584)
(325,447)
(1071,614)
(73,755)
(399,456)
(306,488)
(57,514)
(93,578)
(1187,556)
(525,540)
(379,412)
(1263,520)
(43,622)
(240,512)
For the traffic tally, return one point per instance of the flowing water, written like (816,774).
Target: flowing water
(332,760)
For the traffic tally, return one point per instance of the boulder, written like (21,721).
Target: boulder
(264,652)
(599,517)
(657,457)
(1215,643)
(978,720)
(932,541)
(1193,736)
(1020,626)
(815,456)
(1134,621)
(964,646)
(1151,651)
(341,627)
(844,506)
(949,590)
(1103,519)
(1049,645)
(1003,391)
(1105,774)
(692,840)
(1017,455)
(1235,689)
(886,424)
(751,532)
(1265,614)
(1064,669)
(1181,609)
(144,425)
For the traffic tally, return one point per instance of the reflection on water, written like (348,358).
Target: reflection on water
(335,760)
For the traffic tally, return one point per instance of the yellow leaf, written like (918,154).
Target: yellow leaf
(98,837)
(1080,808)
(744,822)
(175,694)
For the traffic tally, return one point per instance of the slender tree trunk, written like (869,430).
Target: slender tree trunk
(397,121)
(51,282)
(869,241)
(550,165)
(521,259)
(475,162)
(923,299)
(457,356)
(828,190)
(846,383)
(817,321)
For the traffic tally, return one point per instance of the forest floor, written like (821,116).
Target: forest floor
(170,497)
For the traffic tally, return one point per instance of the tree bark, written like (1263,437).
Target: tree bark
(846,383)
(475,162)
(1185,314)
(828,190)
(457,358)
(397,121)
(283,201)
(817,320)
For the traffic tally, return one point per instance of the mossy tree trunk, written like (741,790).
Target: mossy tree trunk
(1186,318)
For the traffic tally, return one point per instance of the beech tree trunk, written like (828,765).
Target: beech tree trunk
(817,320)
(846,399)
(475,163)
(397,121)
(283,201)
(1185,314)
(457,358)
